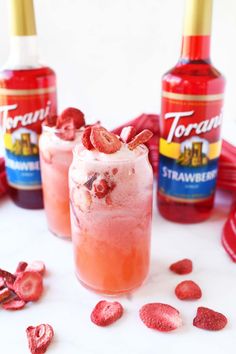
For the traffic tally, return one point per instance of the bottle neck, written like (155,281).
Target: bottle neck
(196,48)
(23,53)
(197,30)
(23,44)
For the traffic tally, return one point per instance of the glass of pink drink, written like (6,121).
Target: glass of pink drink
(60,135)
(111,210)
(55,159)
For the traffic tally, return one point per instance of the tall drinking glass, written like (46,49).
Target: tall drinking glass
(111,212)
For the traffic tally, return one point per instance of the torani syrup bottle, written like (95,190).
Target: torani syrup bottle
(27,97)
(191,117)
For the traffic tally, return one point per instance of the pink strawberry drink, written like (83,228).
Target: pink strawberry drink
(111,210)
(56,145)
(55,160)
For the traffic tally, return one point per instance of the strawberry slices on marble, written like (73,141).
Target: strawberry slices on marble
(24,286)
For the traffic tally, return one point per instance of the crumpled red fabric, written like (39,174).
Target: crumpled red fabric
(3,178)
(229,234)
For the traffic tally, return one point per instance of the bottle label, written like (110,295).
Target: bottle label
(21,115)
(189,146)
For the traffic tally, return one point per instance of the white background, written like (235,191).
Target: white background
(109,55)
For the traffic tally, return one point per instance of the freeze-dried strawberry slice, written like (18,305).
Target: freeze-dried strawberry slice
(161,317)
(86,138)
(21,267)
(39,338)
(209,319)
(4,294)
(140,138)
(14,304)
(188,290)
(36,266)
(184,266)
(106,313)
(8,277)
(101,188)
(67,130)
(71,114)
(29,286)
(127,134)
(104,141)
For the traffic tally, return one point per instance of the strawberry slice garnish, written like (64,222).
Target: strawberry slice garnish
(29,286)
(71,114)
(39,338)
(188,290)
(140,138)
(36,266)
(209,319)
(106,313)
(86,138)
(101,189)
(8,277)
(104,141)
(50,121)
(14,304)
(161,317)
(127,134)
(184,266)
(67,130)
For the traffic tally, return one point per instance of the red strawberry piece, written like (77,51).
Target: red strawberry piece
(71,114)
(104,141)
(161,317)
(101,189)
(209,319)
(51,121)
(21,267)
(184,266)
(39,338)
(114,171)
(127,134)
(140,138)
(188,290)
(37,266)
(67,130)
(86,138)
(14,304)
(4,294)
(8,277)
(29,286)
(106,313)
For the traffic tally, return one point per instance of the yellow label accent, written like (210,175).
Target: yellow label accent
(198,16)
(172,150)
(22,18)
(13,92)
(183,97)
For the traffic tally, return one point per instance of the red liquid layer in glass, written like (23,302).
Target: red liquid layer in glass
(29,79)
(193,75)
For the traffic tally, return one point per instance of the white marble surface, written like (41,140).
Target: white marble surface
(66,305)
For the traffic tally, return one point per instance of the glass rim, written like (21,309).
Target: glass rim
(78,158)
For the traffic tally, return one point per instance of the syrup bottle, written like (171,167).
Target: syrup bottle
(27,98)
(191,117)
